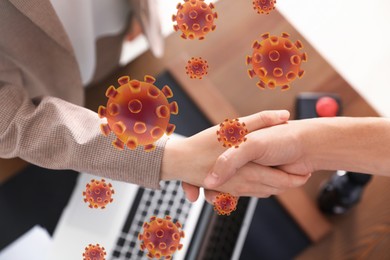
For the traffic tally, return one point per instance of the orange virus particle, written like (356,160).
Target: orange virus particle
(138,113)
(195,19)
(225,203)
(94,252)
(161,237)
(232,133)
(264,6)
(98,193)
(197,68)
(276,60)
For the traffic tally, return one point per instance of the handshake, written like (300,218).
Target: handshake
(279,154)
(269,162)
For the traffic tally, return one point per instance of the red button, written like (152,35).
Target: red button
(327,107)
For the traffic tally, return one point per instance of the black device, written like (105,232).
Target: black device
(344,189)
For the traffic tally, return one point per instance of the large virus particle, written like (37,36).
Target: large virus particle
(195,19)
(232,133)
(225,203)
(161,237)
(98,193)
(276,60)
(197,68)
(138,113)
(94,252)
(264,6)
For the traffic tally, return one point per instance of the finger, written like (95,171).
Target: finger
(262,181)
(273,177)
(191,191)
(264,190)
(210,196)
(265,119)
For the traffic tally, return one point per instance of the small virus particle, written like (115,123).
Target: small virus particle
(197,68)
(276,60)
(195,19)
(94,252)
(264,6)
(138,113)
(225,203)
(232,133)
(98,193)
(161,237)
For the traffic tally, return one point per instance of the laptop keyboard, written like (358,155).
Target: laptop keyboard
(170,200)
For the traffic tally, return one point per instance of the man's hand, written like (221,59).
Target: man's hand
(277,146)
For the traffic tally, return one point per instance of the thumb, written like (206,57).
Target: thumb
(225,167)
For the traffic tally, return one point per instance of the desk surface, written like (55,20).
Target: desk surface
(364,229)
(353,36)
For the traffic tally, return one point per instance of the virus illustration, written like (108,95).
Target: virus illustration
(264,6)
(161,237)
(197,68)
(225,204)
(232,133)
(98,194)
(276,60)
(195,19)
(94,252)
(138,113)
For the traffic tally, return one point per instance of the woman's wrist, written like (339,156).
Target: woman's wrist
(170,159)
(182,161)
(190,159)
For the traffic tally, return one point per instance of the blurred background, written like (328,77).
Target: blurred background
(348,52)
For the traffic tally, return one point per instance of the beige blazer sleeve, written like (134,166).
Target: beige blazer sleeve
(39,121)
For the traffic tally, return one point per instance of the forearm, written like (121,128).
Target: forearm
(345,143)
(56,134)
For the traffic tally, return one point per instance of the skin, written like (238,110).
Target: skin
(302,146)
(134,31)
(191,159)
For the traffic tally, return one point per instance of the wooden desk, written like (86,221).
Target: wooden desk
(364,231)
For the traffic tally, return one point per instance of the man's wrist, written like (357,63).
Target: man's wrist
(320,147)
(342,143)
